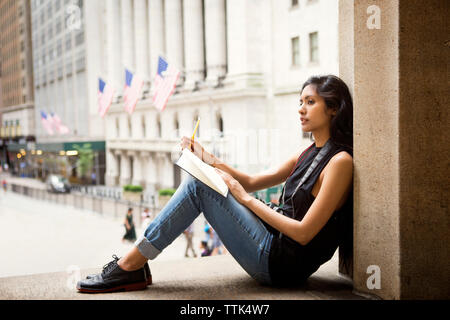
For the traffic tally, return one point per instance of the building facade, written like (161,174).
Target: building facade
(66,59)
(16,77)
(243,64)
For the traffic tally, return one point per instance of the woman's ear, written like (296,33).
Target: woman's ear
(332,112)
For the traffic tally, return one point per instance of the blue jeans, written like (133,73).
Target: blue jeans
(241,231)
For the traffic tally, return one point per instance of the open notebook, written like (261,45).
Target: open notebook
(190,163)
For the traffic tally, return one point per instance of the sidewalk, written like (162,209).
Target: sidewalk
(208,278)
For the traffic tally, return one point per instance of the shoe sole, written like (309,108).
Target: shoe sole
(149,280)
(125,287)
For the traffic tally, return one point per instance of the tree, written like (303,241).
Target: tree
(85,158)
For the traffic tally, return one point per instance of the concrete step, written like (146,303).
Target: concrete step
(215,278)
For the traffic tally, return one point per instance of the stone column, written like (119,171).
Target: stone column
(113,45)
(156,33)
(193,44)
(215,38)
(174,34)
(111,168)
(169,171)
(137,169)
(246,42)
(400,181)
(140,40)
(149,169)
(127,36)
(125,170)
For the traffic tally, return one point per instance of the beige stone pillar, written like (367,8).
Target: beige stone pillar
(193,44)
(112,170)
(140,40)
(127,35)
(113,45)
(215,39)
(125,169)
(174,33)
(393,55)
(156,33)
(246,42)
(137,178)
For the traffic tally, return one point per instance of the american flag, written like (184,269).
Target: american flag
(105,97)
(132,91)
(164,84)
(57,123)
(46,123)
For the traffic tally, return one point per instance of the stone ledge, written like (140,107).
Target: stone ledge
(208,278)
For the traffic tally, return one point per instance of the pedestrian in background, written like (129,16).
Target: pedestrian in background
(205,250)
(189,234)
(146,218)
(217,246)
(130,231)
(4,185)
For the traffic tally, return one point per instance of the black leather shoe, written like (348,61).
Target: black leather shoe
(148,274)
(113,278)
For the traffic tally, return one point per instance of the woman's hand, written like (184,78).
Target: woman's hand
(198,150)
(195,147)
(235,187)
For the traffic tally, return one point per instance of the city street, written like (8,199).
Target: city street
(39,237)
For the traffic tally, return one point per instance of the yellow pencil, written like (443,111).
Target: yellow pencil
(193,135)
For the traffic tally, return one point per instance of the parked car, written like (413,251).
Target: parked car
(58,184)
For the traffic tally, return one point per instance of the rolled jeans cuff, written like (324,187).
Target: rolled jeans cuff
(146,248)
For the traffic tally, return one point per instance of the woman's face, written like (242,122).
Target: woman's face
(314,114)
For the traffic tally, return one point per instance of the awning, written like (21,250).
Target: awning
(56,146)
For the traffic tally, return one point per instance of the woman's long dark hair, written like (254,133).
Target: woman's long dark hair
(337,97)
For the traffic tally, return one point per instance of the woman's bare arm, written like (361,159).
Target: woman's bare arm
(337,181)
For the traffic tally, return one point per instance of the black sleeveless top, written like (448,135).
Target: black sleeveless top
(291,263)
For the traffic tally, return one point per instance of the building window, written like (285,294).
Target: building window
(117,128)
(69,68)
(294,3)
(50,32)
(176,126)
(60,72)
(144,134)
(80,64)
(58,27)
(79,38)
(59,48)
(49,10)
(158,127)
(68,43)
(129,126)
(314,47)
(220,125)
(295,49)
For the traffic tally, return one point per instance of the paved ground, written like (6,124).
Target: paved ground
(39,237)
